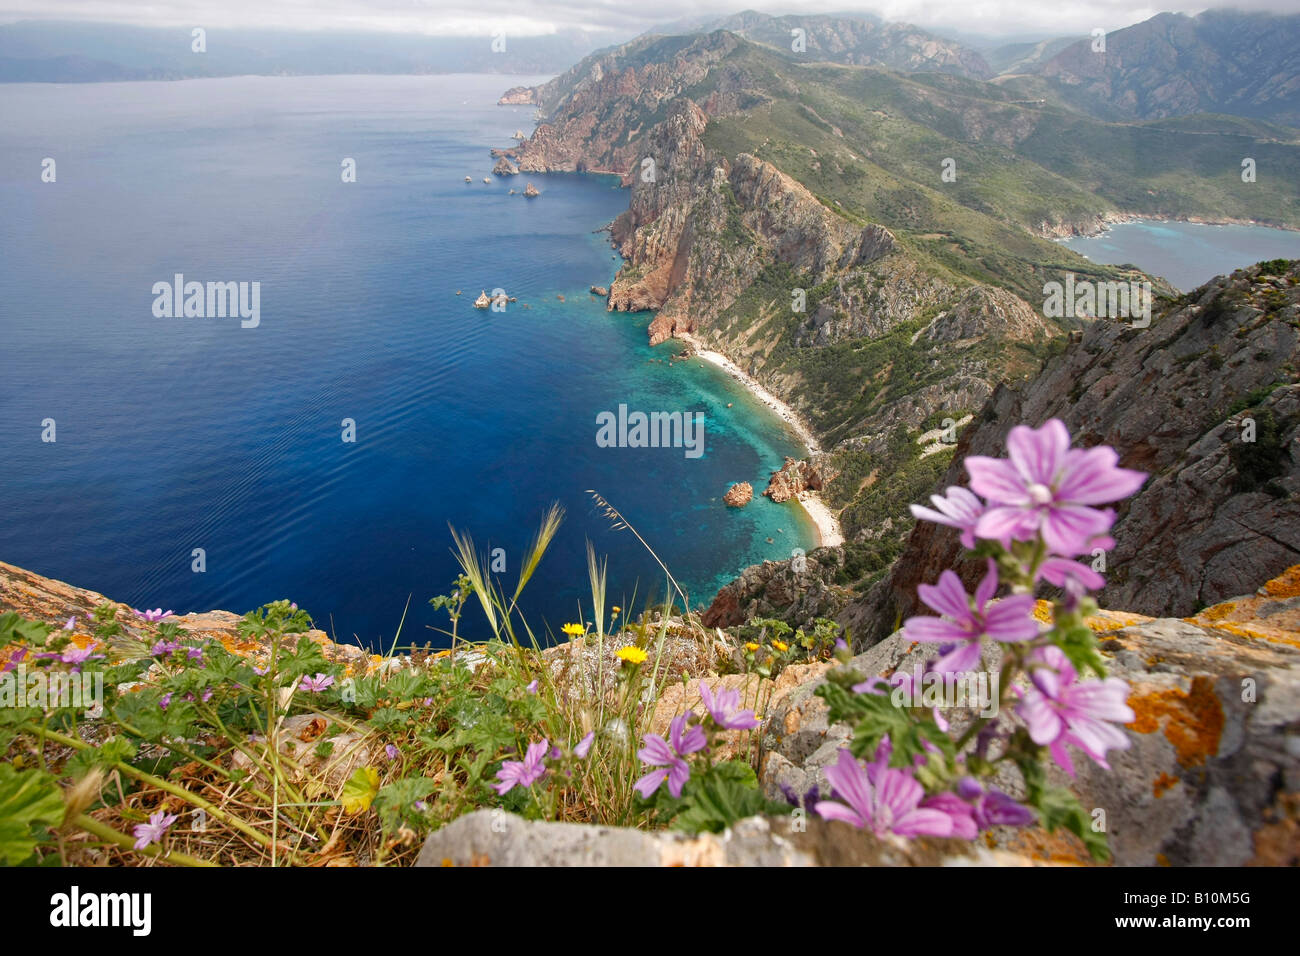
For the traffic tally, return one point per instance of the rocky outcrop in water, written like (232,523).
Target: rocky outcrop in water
(739,495)
(517,96)
(505,168)
(798,476)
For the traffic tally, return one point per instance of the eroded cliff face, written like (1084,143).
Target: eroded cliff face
(701,226)
(1206,402)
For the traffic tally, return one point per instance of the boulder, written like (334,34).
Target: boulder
(797,476)
(498,838)
(739,495)
(1213,774)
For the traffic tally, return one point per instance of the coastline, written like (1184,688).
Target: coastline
(829,533)
(1109,219)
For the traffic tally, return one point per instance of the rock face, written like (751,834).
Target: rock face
(517,96)
(505,168)
(797,476)
(739,495)
(858,41)
(1213,774)
(497,838)
(1219,511)
(45,599)
(1222,61)
(987,312)
(775,589)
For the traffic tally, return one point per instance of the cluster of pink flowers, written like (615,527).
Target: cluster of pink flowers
(1039,509)
(687,736)
(526,772)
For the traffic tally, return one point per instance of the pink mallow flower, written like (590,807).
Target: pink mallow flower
(960,510)
(154,616)
(880,798)
(316,684)
(523,773)
(1048,488)
(668,758)
(724,708)
(79,655)
(966,622)
(1060,709)
(584,746)
(154,830)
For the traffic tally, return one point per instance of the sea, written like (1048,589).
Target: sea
(320,447)
(1187,254)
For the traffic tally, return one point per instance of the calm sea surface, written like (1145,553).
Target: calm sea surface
(1188,254)
(180,433)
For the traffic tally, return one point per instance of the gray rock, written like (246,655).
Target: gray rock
(497,838)
(1212,775)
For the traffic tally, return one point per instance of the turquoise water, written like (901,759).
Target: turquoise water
(1187,254)
(183,433)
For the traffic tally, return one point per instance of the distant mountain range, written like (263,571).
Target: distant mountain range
(1172,65)
(1222,61)
(74,52)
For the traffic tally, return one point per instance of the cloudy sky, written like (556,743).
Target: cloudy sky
(626,17)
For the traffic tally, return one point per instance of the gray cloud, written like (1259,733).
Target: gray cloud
(624,17)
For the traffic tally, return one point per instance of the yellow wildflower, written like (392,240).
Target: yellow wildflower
(574,630)
(616,609)
(780,646)
(751,647)
(631,654)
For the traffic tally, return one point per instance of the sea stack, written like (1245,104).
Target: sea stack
(482,302)
(505,168)
(530,191)
(739,495)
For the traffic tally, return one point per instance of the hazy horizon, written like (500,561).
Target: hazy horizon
(993,19)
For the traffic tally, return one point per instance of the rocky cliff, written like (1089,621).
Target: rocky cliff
(1221,61)
(781,212)
(1206,401)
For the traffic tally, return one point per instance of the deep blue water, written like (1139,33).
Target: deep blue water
(182,433)
(1188,254)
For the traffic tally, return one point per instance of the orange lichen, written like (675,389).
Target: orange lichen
(1286,584)
(1164,783)
(1277,842)
(1061,847)
(1192,720)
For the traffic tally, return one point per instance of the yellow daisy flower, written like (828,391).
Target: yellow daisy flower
(751,647)
(780,646)
(633,655)
(574,630)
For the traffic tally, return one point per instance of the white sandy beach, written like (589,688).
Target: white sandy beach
(828,526)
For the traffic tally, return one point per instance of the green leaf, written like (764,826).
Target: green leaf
(359,790)
(394,801)
(30,803)
(718,797)
(1080,647)
(1058,807)
(13,627)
